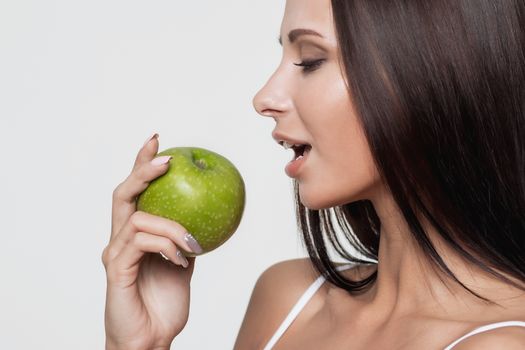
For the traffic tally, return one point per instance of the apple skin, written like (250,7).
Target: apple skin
(202,190)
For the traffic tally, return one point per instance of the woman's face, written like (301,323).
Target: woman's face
(312,105)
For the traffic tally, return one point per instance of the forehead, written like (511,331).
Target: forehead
(308,14)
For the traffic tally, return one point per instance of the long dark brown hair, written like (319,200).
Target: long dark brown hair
(439,87)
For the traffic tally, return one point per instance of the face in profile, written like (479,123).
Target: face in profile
(308,97)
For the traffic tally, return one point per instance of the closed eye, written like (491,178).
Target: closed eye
(309,66)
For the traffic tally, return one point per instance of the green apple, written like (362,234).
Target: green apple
(202,190)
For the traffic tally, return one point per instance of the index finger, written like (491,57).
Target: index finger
(122,208)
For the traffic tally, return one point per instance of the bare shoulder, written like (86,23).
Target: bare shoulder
(509,338)
(276,291)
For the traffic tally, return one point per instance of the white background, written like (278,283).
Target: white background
(82,85)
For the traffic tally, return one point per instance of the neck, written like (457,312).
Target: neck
(407,284)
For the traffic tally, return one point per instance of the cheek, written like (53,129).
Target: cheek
(348,175)
(341,168)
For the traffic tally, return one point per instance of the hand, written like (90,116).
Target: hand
(147,297)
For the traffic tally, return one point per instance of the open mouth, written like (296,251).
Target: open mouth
(301,150)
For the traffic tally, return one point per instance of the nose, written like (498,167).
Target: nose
(272,99)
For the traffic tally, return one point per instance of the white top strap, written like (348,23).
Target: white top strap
(487,327)
(303,300)
(314,287)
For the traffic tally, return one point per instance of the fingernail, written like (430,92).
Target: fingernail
(161,160)
(150,138)
(192,243)
(164,256)
(182,259)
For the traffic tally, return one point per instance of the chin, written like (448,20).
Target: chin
(316,202)
(323,200)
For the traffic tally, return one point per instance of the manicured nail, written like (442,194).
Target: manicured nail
(150,138)
(164,256)
(182,259)
(192,243)
(161,160)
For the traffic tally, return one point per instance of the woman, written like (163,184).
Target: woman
(413,118)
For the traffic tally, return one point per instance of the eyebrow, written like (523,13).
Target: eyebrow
(294,34)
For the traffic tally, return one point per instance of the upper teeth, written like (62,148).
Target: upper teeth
(287,145)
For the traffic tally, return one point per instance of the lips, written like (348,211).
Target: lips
(288,141)
(293,167)
(300,147)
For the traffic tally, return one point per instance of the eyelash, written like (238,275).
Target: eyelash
(309,66)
